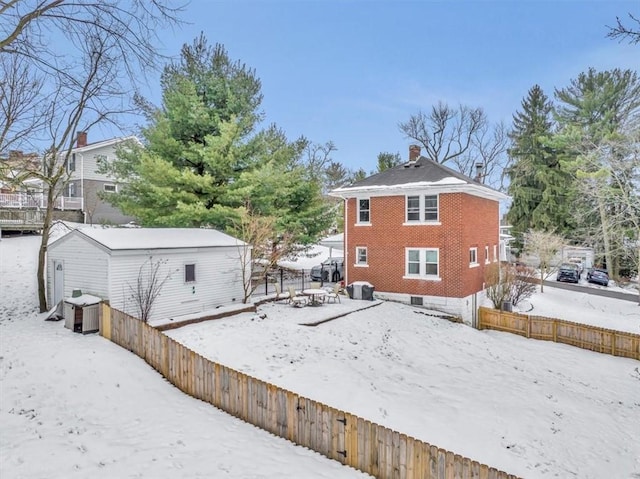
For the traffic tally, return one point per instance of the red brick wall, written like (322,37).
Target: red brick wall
(466,221)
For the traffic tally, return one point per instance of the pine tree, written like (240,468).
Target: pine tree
(596,111)
(538,181)
(203,160)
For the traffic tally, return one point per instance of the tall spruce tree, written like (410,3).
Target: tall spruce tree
(538,181)
(203,162)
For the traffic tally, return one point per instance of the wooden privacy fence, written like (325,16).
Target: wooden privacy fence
(583,336)
(338,435)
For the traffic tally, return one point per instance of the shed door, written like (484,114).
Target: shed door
(58,281)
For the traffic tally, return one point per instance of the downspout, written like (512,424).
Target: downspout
(344,242)
(84,213)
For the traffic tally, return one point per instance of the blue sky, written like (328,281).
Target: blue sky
(350,71)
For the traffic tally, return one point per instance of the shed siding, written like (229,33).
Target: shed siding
(85,267)
(218,280)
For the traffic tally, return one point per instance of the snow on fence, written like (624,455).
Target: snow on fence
(593,338)
(338,435)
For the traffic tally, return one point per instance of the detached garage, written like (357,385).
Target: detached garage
(196,269)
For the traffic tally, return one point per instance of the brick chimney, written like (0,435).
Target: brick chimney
(414,152)
(479,172)
(82,139)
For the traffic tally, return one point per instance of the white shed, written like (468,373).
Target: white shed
(201,268)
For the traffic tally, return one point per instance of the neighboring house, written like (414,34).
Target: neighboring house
(203,267)
(505,243)
(422,234)
(85,180)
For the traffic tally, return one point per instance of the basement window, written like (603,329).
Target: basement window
(417,301)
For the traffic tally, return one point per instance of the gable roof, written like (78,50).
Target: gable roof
(103,143)
(121,239)
(418,175)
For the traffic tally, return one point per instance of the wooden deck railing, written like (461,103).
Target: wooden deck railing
(593,338)
(338,435)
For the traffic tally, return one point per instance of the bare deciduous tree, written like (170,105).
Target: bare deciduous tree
(81,82)
(623,32)
(259,250)
(460,138)
(506,282)
(542,248)
(148,286)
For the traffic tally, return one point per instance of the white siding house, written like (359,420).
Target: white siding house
(87,182)
(202,267)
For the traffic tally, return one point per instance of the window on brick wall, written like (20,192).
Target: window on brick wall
(495,253)
(364,212)
(422,262)
(473,256)
(486,255)
(422,208)
(361,256)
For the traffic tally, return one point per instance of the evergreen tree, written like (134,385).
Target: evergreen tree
(202,160)
(539,184)
(598,110)
(388,160)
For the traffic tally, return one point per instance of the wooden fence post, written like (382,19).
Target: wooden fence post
(555,331)
(613,343)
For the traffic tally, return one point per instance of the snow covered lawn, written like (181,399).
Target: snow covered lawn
(74,406)
(531,408)
(79,406)
(585,308)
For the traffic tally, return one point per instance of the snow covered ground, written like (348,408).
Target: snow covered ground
(79,406)
(74,406)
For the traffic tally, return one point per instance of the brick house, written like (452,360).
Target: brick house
(422,234)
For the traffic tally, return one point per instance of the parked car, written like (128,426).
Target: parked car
(598,276)
(332,269)
(578,262)
(569,273)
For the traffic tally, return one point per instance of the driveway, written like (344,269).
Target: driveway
(595,290)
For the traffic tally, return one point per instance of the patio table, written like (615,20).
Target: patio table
(316,295)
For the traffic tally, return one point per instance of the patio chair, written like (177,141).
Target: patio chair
(295,299)
(279,294)
(334,294)
(314,285)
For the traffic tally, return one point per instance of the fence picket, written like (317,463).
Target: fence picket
(344,437)
(616,343)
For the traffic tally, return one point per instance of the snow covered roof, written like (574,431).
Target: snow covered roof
(103,143)
(422,174)
(155,238)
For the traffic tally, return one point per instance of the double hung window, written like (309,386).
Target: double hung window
(422,209)
(422,263)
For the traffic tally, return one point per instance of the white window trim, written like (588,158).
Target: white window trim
(366,252)
(358,222)
(422,275)
(421,221)
(195,273)
(115,188)
(473,264)
(495,253)
(486,255)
